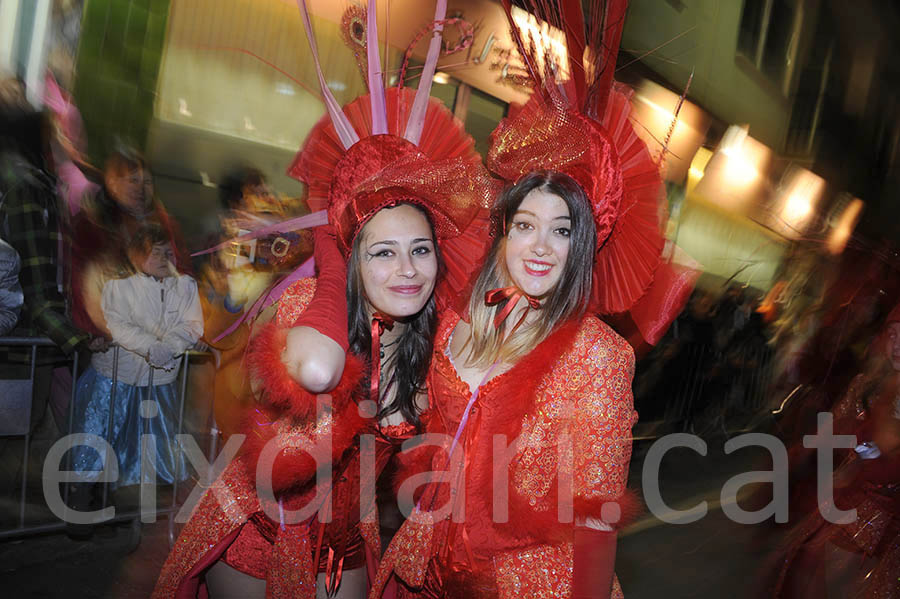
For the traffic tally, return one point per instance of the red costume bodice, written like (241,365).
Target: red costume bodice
(565,411)
(229,522)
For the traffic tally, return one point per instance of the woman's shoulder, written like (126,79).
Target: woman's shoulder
(294,301)
(597,341)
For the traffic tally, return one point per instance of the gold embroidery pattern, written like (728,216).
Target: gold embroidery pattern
(294,301)
(588,397)
(290,571)
(223,507)
(541,572)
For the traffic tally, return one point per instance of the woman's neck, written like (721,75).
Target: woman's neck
(392,334)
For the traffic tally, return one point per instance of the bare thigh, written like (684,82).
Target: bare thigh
(224,582)
(353,585)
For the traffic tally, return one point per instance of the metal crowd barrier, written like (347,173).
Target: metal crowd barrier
(16,398)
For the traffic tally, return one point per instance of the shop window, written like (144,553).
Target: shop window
(768,37)
(809,102)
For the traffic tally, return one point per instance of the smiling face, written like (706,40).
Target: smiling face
(160,261)
(397,260)
(893,345)
(537,244)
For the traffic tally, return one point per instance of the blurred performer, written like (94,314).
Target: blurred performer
(527,364)
(402,187)
(233,279)
(860,559)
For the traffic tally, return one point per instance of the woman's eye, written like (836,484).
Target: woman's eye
(564,231)
(521,225)
(422,250)
(383,254)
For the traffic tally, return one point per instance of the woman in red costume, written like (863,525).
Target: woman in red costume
(402,187)
(529,391)
(858,559)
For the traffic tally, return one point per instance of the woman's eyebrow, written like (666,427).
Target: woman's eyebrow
(385,242)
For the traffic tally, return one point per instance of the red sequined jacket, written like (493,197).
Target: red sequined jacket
(555,426)
(230,523)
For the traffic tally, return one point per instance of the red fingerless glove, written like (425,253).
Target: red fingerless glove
(327,312)
(595,559)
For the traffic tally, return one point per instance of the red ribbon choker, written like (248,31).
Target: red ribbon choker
(513,294)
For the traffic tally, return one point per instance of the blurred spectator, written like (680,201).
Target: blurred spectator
(11,296)
(103,229)
(34,223)
(150,335)
(31,219)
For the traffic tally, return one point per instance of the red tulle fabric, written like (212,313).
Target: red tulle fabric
(614,167)
(443,173)
(578,121)
(664,301)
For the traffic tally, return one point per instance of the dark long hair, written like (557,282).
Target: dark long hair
(414,346)
(568,299)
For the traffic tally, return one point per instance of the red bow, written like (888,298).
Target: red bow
(380,322)
(513,294)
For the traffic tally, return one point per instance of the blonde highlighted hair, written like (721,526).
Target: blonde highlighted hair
(566,301)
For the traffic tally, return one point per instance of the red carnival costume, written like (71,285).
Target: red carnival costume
(564,412)
(859,559)
(378,151)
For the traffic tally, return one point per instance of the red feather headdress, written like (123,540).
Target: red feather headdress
(396,146)
(578,122)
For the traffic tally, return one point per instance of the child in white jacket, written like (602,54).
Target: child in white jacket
(154,316)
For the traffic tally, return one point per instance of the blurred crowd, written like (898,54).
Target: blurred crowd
(91,259)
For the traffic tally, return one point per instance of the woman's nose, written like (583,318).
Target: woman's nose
(406,267)
(540,247)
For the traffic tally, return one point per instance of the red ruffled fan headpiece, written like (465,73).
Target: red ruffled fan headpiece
(398,146)
(443,174)
(581,126)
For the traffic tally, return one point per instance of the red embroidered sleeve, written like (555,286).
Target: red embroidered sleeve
(288,415)
(294,301)
(603,418)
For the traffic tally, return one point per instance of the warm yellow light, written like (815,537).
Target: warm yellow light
(801,192)
(842,231)
(738,169)
(735,176)
(656,123)
(797,208)
(545,37)
(697,168)
(441,78)
(695,172)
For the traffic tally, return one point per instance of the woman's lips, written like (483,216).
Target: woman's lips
(406,289)
(537,268)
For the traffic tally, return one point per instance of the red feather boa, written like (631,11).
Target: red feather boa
(291,405)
